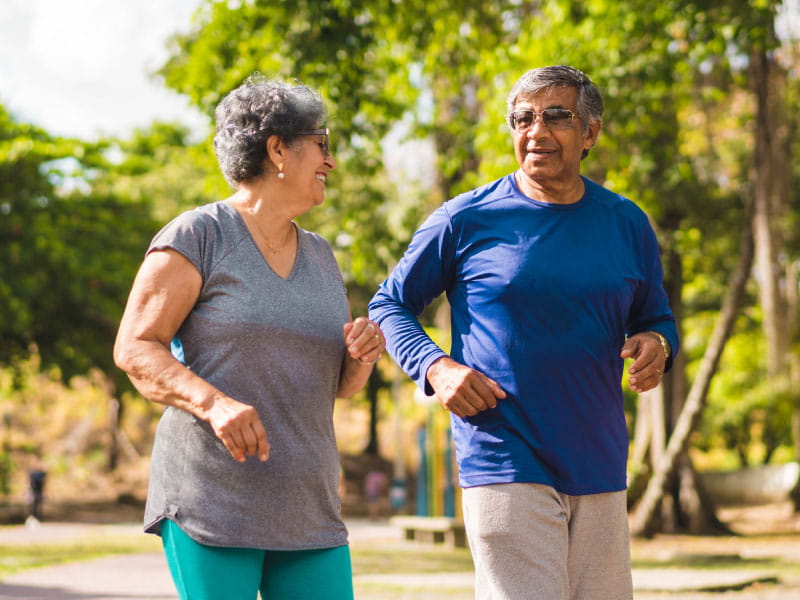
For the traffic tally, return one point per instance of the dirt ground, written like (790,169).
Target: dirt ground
(757,531)
(765,519)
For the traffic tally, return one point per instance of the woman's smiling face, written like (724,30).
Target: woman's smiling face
(310,171)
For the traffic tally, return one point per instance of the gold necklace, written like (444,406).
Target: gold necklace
(272,248)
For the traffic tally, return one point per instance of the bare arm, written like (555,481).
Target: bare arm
(163,293)
(365,344)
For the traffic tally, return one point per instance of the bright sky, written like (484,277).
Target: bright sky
(80,68)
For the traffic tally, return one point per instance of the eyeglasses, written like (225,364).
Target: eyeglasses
(552,118)
(325,144)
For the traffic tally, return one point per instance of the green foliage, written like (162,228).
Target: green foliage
(65,256)
(310,41)
(677,136)
(160,169)
(745,415)
(75,220)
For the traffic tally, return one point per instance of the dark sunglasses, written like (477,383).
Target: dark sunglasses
(326,143)
(552,118)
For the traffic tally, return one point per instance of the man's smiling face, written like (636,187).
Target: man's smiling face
(552,156)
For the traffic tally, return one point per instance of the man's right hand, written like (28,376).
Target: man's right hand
(463,391)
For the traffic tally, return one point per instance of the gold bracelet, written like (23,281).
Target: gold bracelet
(664,344)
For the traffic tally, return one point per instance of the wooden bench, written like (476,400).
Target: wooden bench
(434,530)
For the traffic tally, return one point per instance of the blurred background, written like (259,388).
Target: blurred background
(105,134)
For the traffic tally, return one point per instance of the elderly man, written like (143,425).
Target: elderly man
(553,281)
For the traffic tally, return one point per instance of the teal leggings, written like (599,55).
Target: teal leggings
(203,572)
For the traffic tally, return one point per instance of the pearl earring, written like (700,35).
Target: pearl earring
(280,172)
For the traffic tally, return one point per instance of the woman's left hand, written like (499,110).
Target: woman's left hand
(364,339)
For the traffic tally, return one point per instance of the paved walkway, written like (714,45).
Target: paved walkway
(110,578)
(145,576)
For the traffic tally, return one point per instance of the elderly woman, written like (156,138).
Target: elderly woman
(238,322)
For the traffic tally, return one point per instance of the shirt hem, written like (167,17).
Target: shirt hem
(561,488)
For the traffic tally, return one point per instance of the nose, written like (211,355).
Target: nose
(537,127)
(330,162)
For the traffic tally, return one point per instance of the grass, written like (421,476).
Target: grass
(20,557)
(407,558)
(368,591)
(391,558)
(712,562)
(392,569)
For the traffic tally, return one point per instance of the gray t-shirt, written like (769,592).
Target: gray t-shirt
(273,343)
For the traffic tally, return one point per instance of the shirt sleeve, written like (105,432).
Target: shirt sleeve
(650,310)
(188,234)
(423,273)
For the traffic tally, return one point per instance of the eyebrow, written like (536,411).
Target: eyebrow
(545,108)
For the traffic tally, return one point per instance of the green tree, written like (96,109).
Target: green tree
(66,254)
(677,137)
(75,221)
(310,42)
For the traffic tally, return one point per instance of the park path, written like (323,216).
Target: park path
(122,577)
(145,576)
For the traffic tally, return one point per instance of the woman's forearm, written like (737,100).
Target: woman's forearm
(354,376)
(161,378)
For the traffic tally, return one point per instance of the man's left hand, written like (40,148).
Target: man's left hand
(648,361)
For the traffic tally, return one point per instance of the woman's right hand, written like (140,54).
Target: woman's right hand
(239,428)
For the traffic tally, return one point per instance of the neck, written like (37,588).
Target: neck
(275,228)
(552,193)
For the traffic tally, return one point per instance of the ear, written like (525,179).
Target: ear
(276,149)
(591,134)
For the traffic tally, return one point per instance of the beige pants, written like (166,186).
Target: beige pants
(529,541)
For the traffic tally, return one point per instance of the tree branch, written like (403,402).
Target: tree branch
(645,510)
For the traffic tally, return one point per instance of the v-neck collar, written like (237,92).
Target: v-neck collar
(254,244)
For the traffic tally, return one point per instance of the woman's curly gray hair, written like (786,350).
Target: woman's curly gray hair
(256,110)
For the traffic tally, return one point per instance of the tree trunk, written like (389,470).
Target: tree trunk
(114,418)
(685,506)
(770,188)
(645,512)
(794,369)
(374,384)
(772,181)
(649,423)
(695,508)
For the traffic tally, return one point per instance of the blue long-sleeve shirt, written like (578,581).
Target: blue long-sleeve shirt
(542,297)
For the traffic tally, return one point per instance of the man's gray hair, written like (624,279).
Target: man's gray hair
(590,103)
